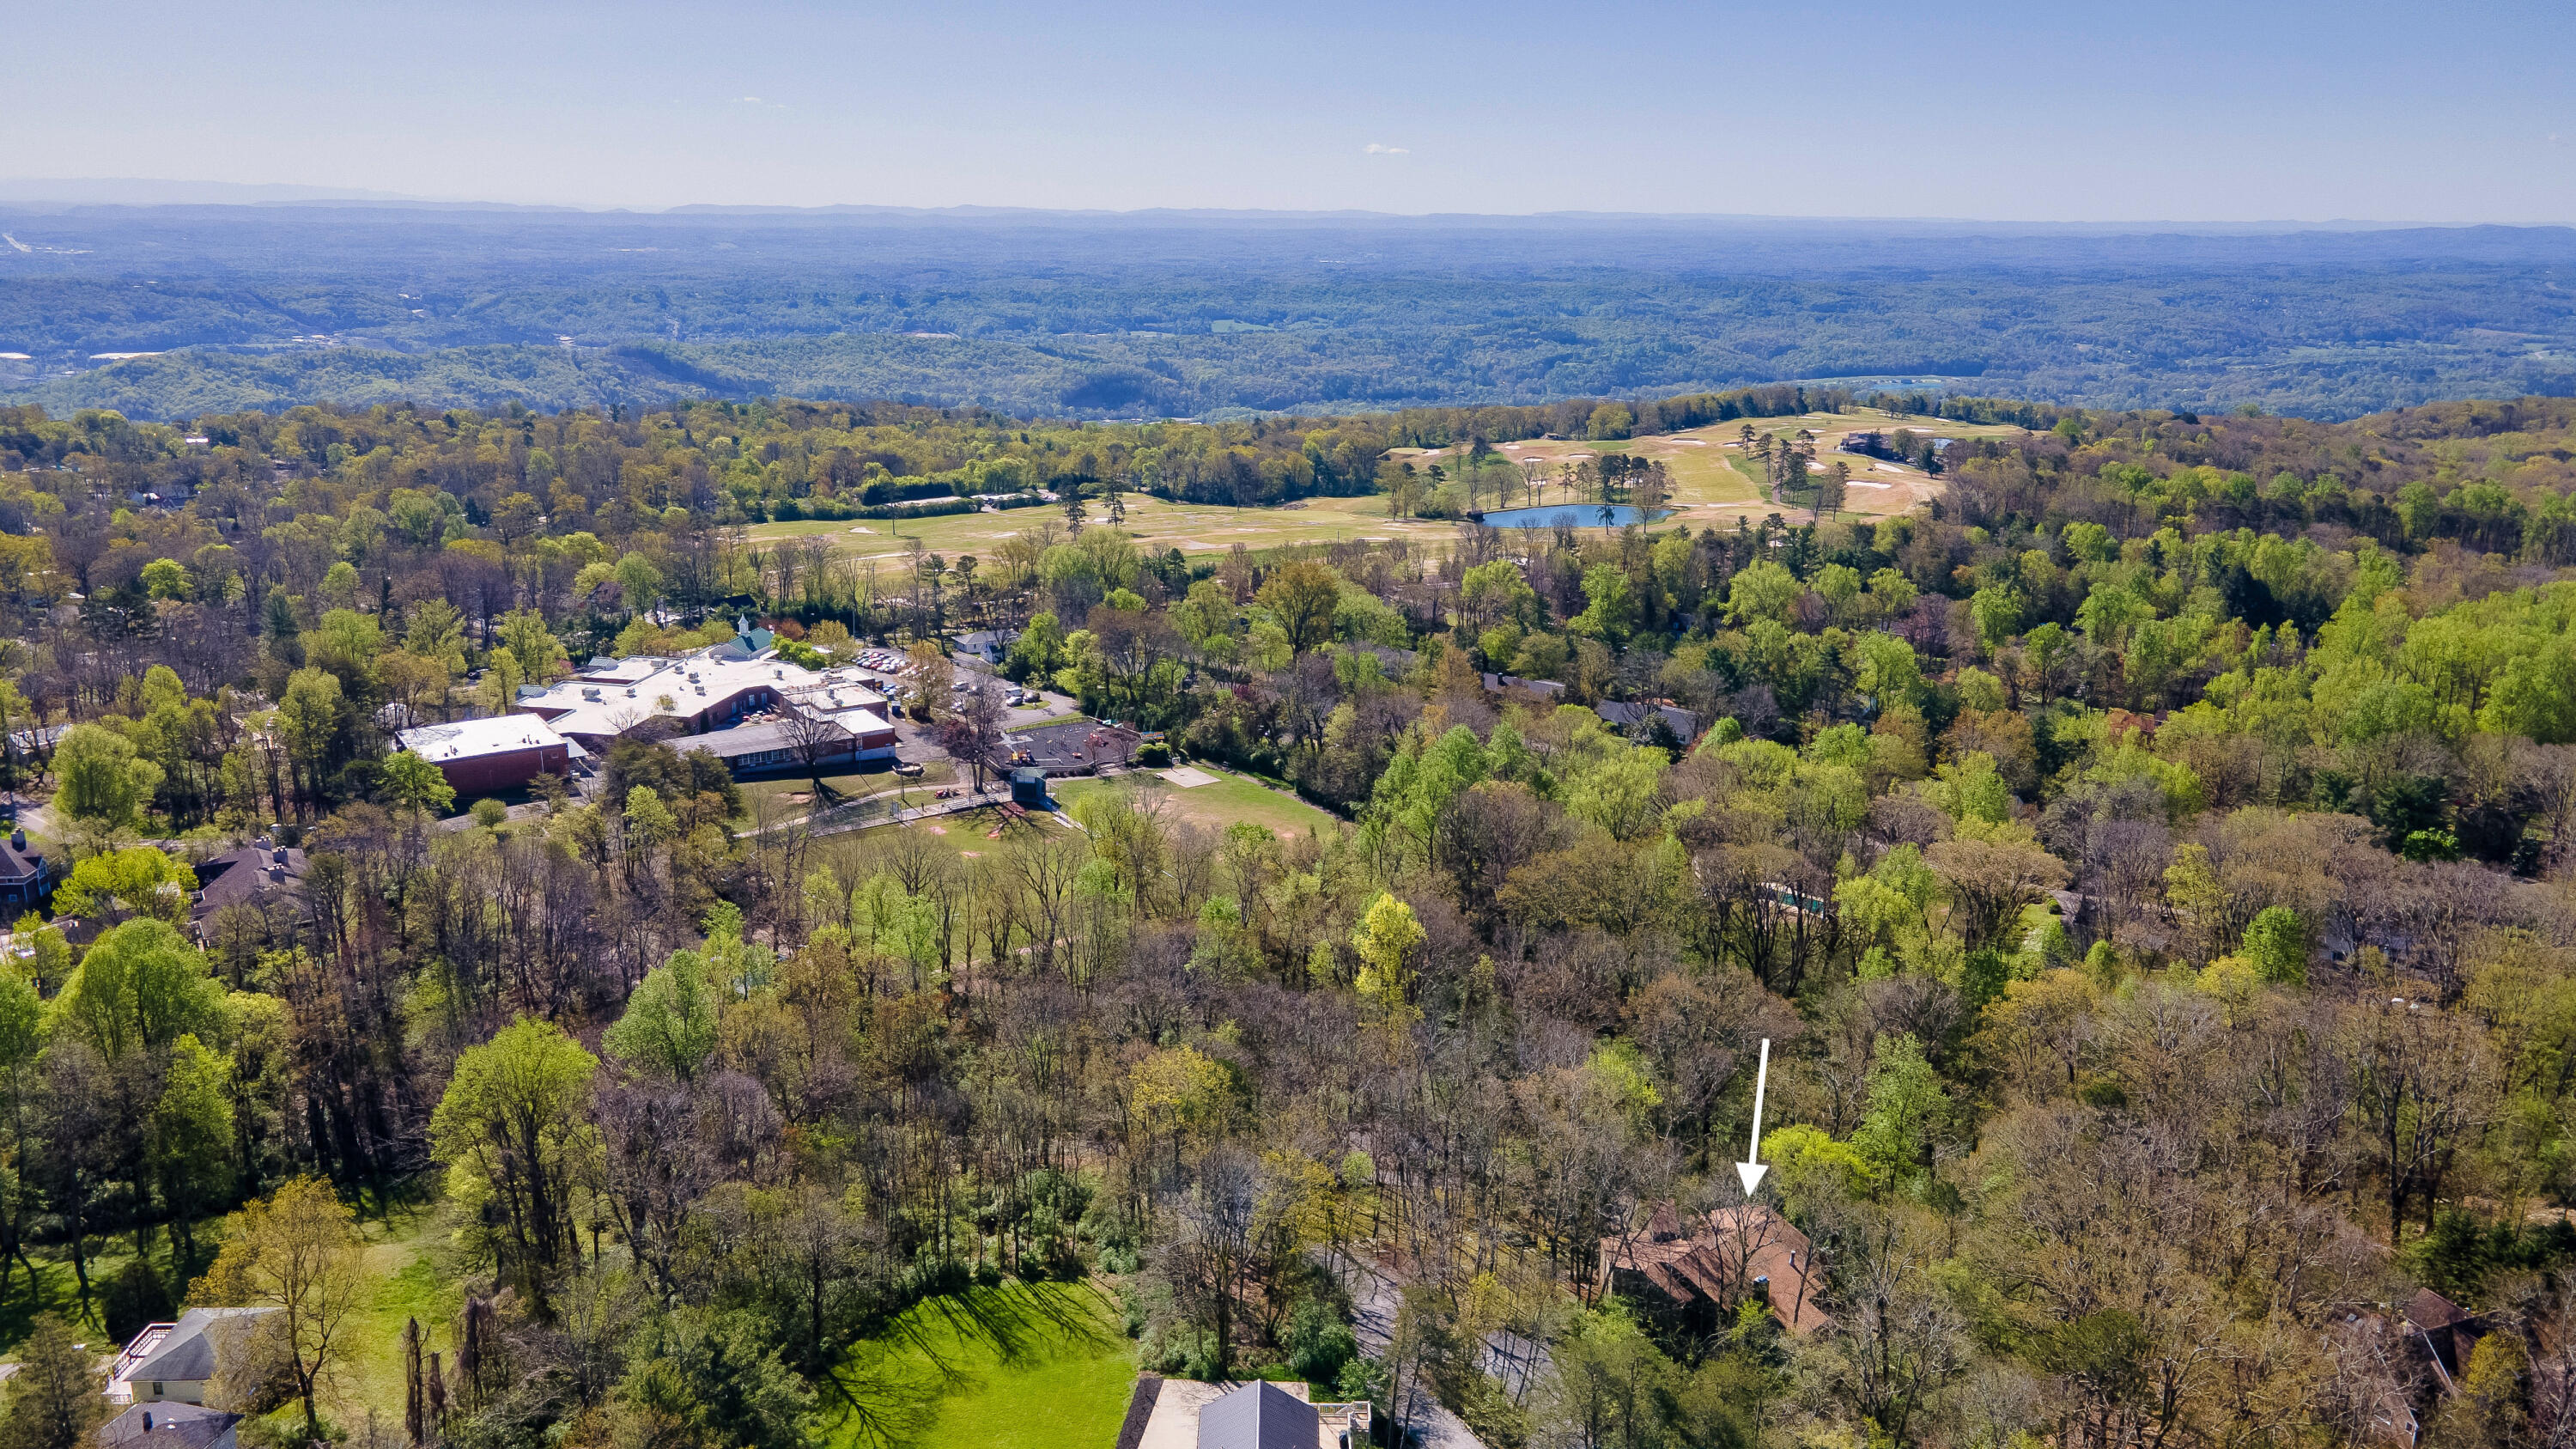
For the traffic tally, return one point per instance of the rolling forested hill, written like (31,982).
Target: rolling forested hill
(1188,314)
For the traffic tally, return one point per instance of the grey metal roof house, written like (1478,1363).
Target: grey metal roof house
(171,1361)
(1258,1416)
(1631,717)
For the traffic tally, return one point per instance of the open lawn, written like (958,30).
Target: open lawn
(1233,797)
(783,797)
(404,1280)
(966,834)
(1019,1366)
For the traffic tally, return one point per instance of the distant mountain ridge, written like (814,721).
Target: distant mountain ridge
(146,192)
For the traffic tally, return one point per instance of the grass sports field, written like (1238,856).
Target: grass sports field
(1710,490)
(1233,797)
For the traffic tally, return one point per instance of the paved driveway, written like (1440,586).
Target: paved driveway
(1375,1299)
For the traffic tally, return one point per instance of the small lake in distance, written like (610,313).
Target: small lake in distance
(1573,515)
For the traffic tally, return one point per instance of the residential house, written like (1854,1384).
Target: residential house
(1546,691)
(1188,1414)
(1698,1276)
(170,1426)
(26,876)
(988,645)
(1636,720)
(172,1362)
(2445,1333)
(261,874)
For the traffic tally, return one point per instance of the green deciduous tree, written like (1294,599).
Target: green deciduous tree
(300,1254)
(418,785)
(102,783)
(1302,596)
(141,988)
(139,879)
(191,1138)
(510,1133)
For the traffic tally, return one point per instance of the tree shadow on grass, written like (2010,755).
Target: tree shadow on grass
(891,1389)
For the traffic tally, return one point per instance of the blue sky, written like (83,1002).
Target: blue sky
(2073,111)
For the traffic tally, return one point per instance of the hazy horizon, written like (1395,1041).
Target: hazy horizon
(171,191)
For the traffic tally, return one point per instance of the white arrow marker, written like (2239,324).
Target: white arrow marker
(1752,1168)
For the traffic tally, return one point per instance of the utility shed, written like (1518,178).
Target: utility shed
(1258,1416)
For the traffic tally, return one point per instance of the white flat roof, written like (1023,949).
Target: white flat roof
(631,691)
(860,722)
(468,739)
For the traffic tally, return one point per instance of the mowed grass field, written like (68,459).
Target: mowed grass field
(1709,490)
(1193,528)
(404,1280)
(1233,797)
(772,799)
(968,835)
(1018,1366)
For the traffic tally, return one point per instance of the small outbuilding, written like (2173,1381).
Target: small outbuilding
(1028,787)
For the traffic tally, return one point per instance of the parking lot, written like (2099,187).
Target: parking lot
(890,672)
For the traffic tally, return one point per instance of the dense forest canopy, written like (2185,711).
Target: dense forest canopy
(1199,315)
(2152,865)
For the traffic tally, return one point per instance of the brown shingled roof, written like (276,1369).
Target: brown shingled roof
(1739,1246)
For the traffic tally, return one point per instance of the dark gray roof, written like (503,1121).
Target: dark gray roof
(166,1425)
(1258,1416)
(19,862)
(187,1355)
(1628,715)
(242,877)
(760,739)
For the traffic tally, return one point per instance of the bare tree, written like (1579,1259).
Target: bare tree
(973,734)
(814,738)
